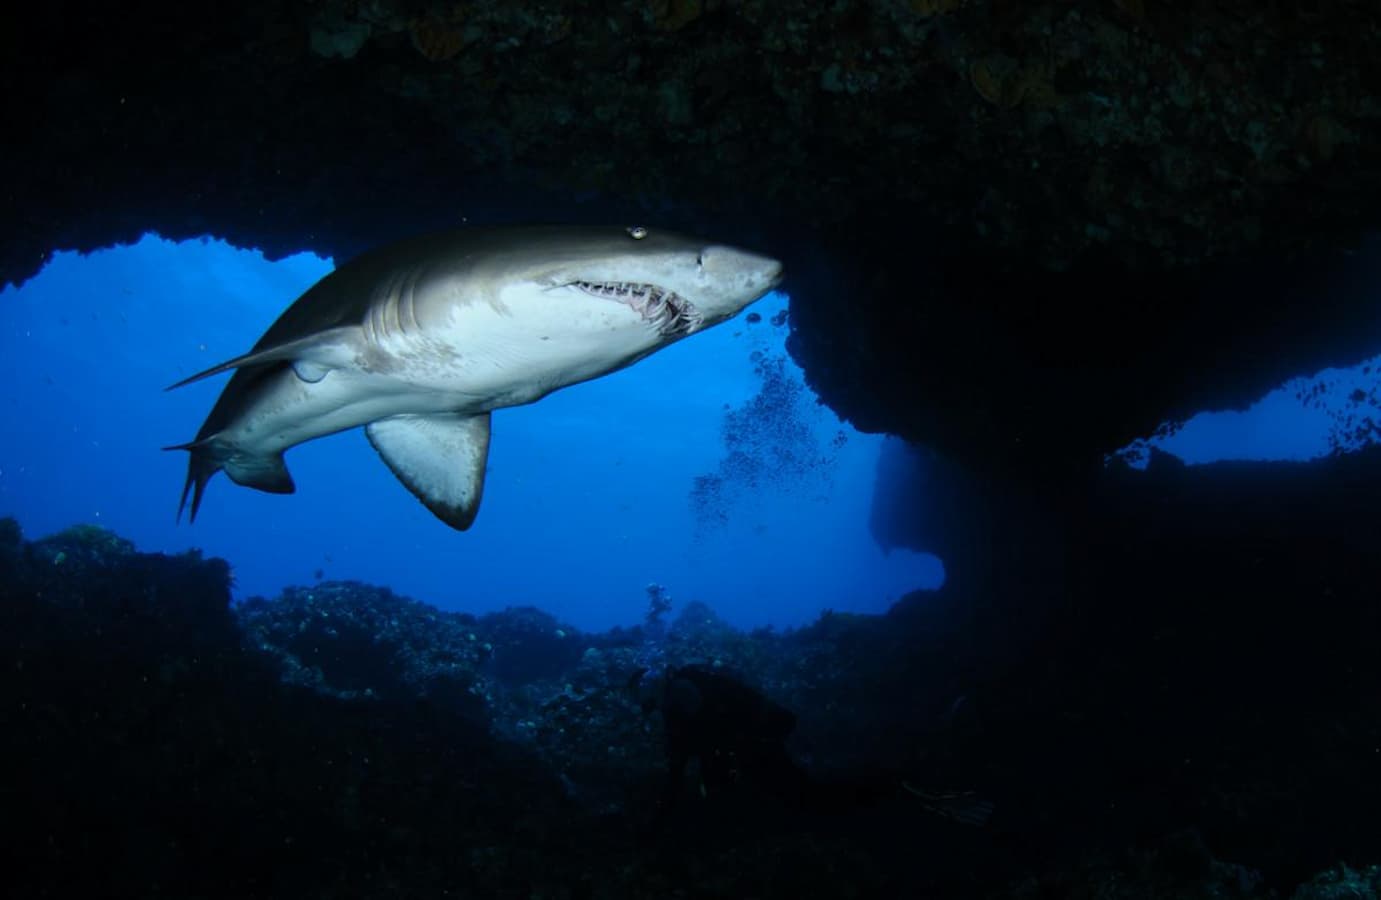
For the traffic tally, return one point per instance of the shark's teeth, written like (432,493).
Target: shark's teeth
(669,311)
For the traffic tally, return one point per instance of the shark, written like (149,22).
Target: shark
(420,340)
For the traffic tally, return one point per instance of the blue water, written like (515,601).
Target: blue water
(588,498)
(589,494)
(1279,426)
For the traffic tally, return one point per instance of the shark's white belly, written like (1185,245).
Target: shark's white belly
(483,357)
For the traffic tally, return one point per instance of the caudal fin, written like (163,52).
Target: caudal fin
(200,467)
(265,473)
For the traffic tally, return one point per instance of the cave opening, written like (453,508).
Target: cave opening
(736,488)
(1331,412)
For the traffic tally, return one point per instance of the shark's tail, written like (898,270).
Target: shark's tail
(200,467)
(209,456)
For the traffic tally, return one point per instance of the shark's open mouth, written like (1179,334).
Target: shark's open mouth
(670,312)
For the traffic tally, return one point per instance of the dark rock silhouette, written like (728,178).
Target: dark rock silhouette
(1185,700)
(1202,656)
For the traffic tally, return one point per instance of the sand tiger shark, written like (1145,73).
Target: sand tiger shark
(419,341)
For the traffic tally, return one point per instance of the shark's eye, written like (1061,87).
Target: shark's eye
(637,232)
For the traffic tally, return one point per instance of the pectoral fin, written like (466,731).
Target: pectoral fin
(440,458)
(312,356)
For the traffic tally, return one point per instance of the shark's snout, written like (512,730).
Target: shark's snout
(774,272)
(731,263)
(731,279)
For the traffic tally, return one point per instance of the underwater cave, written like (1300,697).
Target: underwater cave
(708,467)
(1079,352)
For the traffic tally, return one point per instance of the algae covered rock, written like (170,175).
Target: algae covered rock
(1342,883)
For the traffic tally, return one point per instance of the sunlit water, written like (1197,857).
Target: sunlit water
(589,493)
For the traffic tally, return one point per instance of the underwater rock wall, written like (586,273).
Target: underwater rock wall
(1205,654)
(1169,135)
(1031,376)
(1189,708)
(148,748)
(927,169)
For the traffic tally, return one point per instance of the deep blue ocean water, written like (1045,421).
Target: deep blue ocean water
(591,494)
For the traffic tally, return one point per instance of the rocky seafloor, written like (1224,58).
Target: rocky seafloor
(342,741)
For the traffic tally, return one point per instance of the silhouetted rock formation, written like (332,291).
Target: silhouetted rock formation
(1205,657)
(149,748)
(1192,679)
